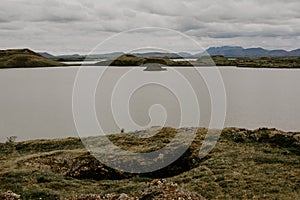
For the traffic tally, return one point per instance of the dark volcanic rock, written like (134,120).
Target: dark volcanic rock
(88,167)
(157,190)
(161,189)
(289,140)
(9,196)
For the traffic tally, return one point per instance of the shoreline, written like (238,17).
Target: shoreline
(197,66)
(117,133)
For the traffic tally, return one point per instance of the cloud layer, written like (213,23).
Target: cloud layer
(77,26)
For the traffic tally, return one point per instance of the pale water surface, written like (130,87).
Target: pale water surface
(37,103)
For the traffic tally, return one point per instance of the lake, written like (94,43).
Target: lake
(37,103)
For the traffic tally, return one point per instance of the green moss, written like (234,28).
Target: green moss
(244,164)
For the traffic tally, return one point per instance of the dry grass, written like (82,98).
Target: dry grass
(243,165)
(24,58)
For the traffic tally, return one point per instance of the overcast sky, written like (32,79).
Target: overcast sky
(77,26)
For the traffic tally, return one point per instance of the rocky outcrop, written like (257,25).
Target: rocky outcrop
(83,165)
(104,197)
(158,189)
(161,189)
(289,140)
(9,196)
(88,167)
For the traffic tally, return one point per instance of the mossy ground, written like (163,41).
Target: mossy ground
(237,168)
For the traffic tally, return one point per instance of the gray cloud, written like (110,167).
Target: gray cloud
(77,26)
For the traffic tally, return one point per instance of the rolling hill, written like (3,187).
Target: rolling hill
(22,58)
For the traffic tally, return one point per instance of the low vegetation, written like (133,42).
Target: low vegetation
(131,60)
(22,58)
(245,164)
(257,62)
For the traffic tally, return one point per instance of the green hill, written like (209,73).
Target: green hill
(22,58)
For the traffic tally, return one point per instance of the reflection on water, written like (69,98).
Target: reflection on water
(37,103)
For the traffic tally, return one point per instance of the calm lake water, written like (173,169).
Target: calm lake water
(37,103)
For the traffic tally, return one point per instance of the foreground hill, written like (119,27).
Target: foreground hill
(18,58)
(245,164)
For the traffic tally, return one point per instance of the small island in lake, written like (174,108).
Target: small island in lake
(221,56)
(132,60)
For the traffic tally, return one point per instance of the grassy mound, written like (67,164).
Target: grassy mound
(19,58)
(245,164)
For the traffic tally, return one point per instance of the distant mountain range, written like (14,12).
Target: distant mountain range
(227,51)
(236,51)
